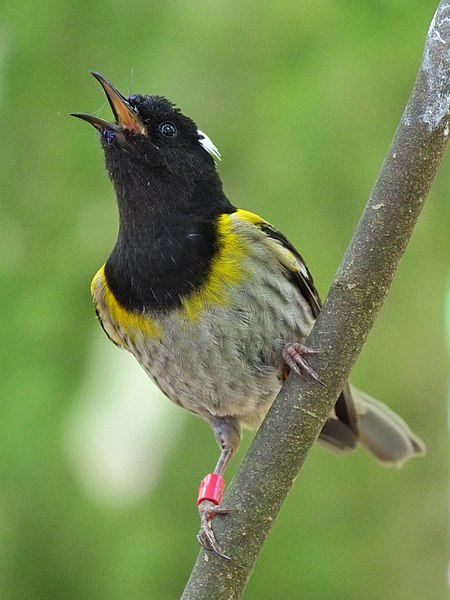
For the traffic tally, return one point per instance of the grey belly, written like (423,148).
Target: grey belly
(228,362)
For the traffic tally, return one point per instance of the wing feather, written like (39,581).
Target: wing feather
(292,260)
(289,257)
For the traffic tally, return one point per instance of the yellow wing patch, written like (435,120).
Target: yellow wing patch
(246,215)
(284,255)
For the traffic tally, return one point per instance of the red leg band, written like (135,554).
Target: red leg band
(211,488)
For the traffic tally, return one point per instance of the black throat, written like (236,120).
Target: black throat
(165,245)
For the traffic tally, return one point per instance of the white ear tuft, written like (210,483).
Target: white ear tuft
(207,144)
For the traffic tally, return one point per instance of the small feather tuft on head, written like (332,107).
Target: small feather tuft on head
(207,144)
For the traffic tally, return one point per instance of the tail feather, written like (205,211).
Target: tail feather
(337,437)
(378,428)
(384,433)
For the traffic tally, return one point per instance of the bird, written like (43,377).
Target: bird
(213,301)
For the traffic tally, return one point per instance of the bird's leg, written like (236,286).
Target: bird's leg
(228,436)
(294,357)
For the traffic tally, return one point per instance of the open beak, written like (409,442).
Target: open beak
(125,115)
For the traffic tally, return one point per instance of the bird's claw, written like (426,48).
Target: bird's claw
(208,511)
(293,356)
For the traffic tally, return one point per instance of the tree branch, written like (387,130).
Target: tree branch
(359,289)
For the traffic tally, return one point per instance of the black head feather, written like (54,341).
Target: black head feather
(169,196)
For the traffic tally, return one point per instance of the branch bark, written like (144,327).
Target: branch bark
(358,291)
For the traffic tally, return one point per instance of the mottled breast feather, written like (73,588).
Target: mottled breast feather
(228,333)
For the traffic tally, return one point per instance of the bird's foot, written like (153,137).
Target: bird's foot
(294,356)
(208,511)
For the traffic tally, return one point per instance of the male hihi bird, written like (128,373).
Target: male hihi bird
(213,301)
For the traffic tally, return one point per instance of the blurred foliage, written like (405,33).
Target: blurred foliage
(302,99)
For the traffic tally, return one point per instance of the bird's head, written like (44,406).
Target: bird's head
(152,148)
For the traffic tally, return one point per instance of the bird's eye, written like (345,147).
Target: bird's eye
(168,129)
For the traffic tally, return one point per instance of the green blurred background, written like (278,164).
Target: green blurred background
(98,471)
